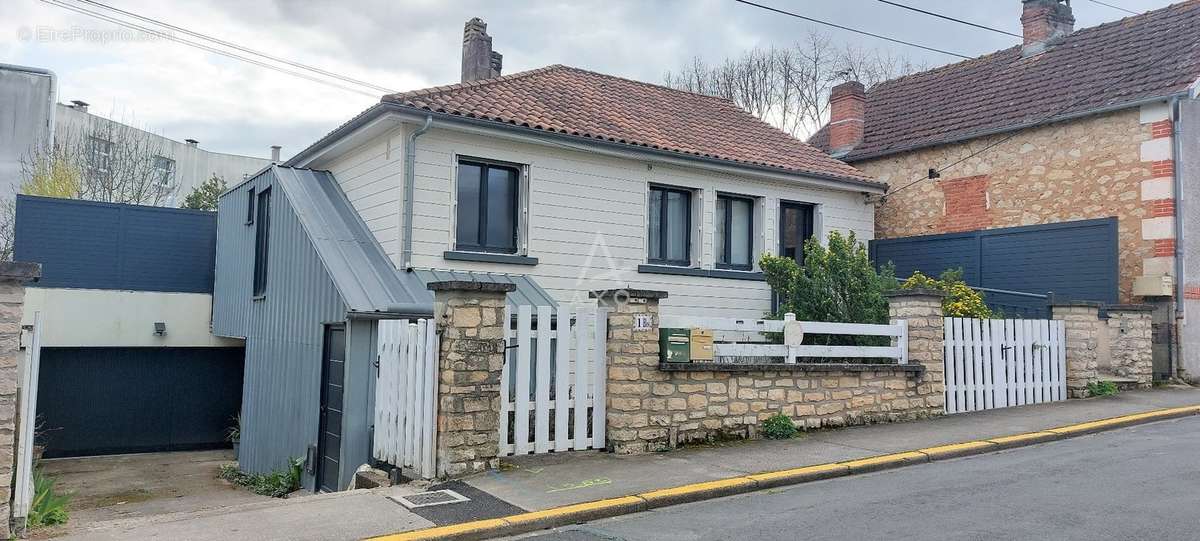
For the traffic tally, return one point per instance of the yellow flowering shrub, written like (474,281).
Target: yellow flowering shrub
(960,301)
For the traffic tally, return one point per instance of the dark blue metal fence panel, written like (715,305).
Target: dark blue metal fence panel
(1074,260)
(92,245)
(137,399)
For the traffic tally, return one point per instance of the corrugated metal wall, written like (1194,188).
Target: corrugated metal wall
(283,330)
(94,245)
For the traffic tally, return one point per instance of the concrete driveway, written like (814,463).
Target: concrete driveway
(118,487)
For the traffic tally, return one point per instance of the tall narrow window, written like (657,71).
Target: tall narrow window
(262,235)
(250,206)
(795,227)
(670,217)
(734,221)
(487,207)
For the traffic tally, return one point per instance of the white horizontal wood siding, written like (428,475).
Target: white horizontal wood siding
(371,175)
(587,216)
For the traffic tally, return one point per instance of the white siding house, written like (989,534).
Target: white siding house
(586,210)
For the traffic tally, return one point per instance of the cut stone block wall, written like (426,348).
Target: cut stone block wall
(470,318)
(653,407)
(1082,327)
(1130,337)
(13,276)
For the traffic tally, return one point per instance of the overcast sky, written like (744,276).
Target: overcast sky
(232,106)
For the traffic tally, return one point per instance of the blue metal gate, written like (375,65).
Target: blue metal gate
(1017,266)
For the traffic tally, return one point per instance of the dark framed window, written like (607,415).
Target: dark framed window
(734,229)
(262,236)
(488,207)
(795,227)
(250,206)
(670,216)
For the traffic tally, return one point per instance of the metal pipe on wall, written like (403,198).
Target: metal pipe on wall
(410,158)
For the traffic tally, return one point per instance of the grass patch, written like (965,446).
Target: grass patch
(779,427)
(49,507)
(276,484)
(1102,388)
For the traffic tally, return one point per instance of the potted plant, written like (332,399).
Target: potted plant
(234,435)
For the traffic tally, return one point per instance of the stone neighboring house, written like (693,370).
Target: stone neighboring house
(1069,126)
(558,180)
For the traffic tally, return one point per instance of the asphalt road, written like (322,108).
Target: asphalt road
(1141,482)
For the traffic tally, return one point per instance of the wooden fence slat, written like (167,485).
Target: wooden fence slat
(521,429)
(583,323)
(599,379)
(410,404)
(1062,357)
(505,389)
(429,419)
(541,430)
(562,382)
(986,370)
(950,374)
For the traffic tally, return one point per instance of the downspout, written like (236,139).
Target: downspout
(410,167)
(1176,347)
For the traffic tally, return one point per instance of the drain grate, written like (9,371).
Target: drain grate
(430,499)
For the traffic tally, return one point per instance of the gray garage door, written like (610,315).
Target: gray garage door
(1074,260)
(128,400)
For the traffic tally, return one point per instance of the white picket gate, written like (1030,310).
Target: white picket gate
(406,395)
(998,363)
(30,366)
(553,383)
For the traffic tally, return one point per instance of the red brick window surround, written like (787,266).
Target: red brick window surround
(1162,168)
(1160,129)
(966,204)
(1162,207)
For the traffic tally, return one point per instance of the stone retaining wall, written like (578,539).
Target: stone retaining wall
(1130,337)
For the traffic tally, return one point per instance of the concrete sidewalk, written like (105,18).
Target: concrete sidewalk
(539,482)
(534,483)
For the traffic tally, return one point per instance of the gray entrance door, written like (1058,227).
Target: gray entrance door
(329,441)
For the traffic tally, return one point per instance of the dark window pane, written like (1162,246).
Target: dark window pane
(262,235)
(467,231)
(740,221)
(250,206)
(719,230)
(677,204)
(655,241)
(501,209)
(795,226)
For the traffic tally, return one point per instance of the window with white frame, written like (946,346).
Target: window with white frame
(164,171)
(669,237)
(100,159)
(733,228)
(488,207)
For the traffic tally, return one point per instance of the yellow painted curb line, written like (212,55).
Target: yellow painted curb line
(581,512)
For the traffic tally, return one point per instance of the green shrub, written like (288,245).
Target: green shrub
(960,301)
(1102,388)
(836,283)
(779,427)
(277,484)
(48,507)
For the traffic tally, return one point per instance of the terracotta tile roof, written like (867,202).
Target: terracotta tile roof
(591,105)
(1152,55)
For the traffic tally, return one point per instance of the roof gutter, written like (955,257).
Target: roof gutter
(1015,127)
(410,167)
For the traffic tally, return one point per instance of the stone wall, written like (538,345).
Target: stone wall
(470,318)
(1130,342)
(653,407)
(1116,164)
(13,276)
(1082,327)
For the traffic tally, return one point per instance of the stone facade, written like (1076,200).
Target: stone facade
(470,318)
(1111,165)
(1130,342)
(1082,329)
(652,407)
(13,276)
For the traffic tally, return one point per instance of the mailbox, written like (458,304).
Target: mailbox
(702,344)
(674,345)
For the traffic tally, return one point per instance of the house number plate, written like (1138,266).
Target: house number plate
(642,322)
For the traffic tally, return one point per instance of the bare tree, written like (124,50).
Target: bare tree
(790,87)
(101,160)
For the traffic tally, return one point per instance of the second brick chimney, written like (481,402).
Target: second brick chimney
(479,61)
(847,109)
(1044,22)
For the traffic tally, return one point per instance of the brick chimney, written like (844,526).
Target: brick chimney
(479,61)
(1044,22)
(847,107)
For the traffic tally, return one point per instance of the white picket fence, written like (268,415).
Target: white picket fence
(998,363)
(406,395)
(740,339)
(552,387)
(30,366)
